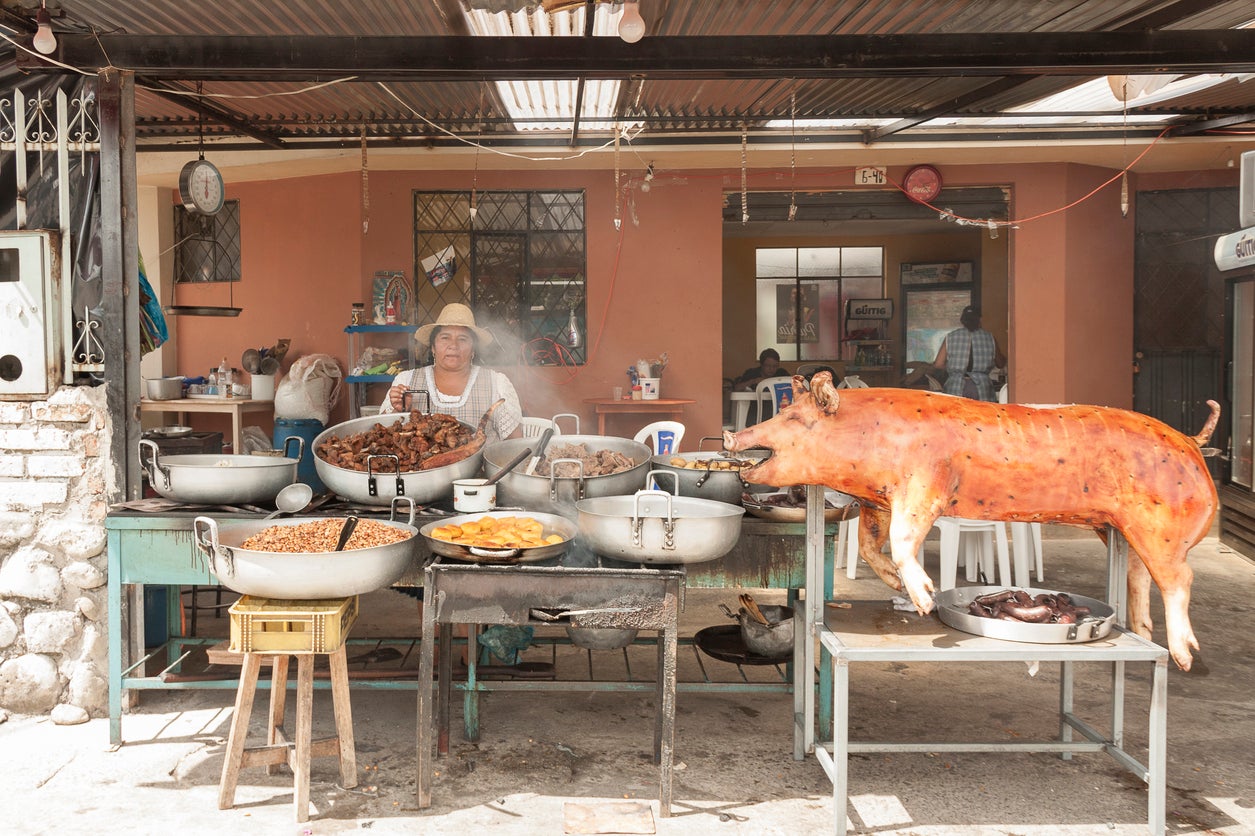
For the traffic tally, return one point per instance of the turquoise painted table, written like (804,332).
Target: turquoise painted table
(158,548)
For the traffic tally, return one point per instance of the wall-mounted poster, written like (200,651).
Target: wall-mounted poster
(941,272)
(930,315)
(797,313)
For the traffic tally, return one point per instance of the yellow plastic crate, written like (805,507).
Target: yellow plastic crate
(262,625)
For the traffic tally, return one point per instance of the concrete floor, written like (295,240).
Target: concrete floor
(540,753)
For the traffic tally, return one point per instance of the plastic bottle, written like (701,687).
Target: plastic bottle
(224,378)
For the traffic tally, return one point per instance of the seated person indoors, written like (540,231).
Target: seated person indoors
(768,366)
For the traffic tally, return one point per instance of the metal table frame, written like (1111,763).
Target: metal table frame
(158,548)
(839,649)
(476,594)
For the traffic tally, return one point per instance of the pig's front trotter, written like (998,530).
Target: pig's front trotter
(917,585)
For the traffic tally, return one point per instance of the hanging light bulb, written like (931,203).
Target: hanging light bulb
(45,42)
(631,24)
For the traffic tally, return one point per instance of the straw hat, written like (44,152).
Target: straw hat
(457,314)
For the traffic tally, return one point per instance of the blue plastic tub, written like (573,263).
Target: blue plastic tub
(308,429)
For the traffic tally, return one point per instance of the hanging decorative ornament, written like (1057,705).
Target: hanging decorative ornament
(572,331)
(745,207)
(1124,193)
(793,155)
(365,187)
(618,220)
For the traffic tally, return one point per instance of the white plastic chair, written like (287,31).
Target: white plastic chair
(1002,393)
(535,426)
(978,539)
(1026,549)
(852,381)
(664,436)
(770,395)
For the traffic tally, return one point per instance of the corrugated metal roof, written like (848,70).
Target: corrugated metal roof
(401,111)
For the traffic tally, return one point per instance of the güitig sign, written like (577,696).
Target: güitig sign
(869,309)
(1237,249)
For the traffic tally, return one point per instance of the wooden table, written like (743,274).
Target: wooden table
(235,407)
(673,407)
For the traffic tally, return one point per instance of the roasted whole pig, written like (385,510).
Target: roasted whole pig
(912,456)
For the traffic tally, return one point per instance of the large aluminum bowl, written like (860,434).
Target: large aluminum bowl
(558,495)
(217,478)
(301,576)
(379,484)
(656,527)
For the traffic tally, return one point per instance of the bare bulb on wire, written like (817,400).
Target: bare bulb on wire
(631,24)
(45,42)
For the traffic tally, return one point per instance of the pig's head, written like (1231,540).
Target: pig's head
(792,436)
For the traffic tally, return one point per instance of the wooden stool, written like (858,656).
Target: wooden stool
(321,617)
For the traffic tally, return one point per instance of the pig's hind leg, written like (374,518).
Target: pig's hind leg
(873,531)
(1168,568)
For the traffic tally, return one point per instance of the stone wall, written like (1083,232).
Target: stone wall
(54,473)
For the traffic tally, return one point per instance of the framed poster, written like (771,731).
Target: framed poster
(797,310)
(940,272)
(930,315)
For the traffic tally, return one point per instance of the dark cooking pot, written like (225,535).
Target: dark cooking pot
(558,494)
(380,482)
(219,479)
(704,475)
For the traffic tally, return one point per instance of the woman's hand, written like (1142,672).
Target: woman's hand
(396,396)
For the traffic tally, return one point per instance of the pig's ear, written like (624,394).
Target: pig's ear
(825,393)
(800,387)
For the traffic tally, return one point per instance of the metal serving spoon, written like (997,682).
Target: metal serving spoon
(292,498)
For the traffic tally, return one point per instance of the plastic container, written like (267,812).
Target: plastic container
(156,626)
(308,429)
(271,624)
(263,387)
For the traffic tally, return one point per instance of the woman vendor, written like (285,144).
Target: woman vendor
(454,383)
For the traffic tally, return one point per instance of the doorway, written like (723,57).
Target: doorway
(1178,306)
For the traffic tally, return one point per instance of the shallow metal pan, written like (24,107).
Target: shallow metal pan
(847,507)
(553,524)
(952,610)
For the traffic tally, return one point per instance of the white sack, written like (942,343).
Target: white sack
(309,389)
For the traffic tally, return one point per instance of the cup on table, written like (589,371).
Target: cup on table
(617,393)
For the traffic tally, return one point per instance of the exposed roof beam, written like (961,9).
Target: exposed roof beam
(1214,124)
(217,114)
(1135,21)
(319,58)
(589,17)
(949,107)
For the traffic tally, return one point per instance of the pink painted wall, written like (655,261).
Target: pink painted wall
(654,287)
(658,285)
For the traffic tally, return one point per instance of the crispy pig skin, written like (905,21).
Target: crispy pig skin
(911,456)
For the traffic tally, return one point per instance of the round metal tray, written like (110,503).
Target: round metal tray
(952,610)
(553,524)
(724,642)
(846,508)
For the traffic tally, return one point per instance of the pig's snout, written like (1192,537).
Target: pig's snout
(729,440)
